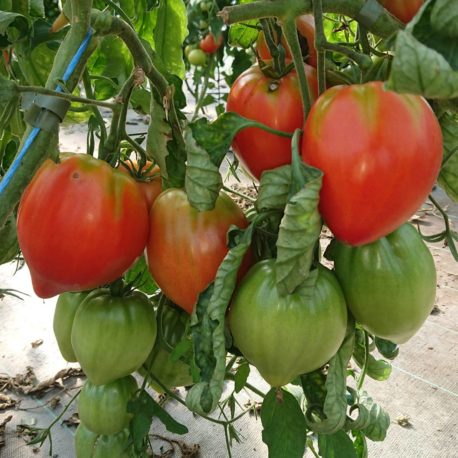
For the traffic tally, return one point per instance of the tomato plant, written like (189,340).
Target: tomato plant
(404,10)
(394,299)
(395,134)
(366,159)
(197,239)
(287,336)
(209,45)
(80,199)
(258,97)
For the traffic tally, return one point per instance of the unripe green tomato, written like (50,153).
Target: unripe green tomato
(285,336)
(203,24)
(103,408)
(113,335)
(197,57)
(64,314)
(206,6)
(189,48)
(92,445)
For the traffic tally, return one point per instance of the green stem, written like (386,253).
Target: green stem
(120,11)
(363,38)
(384,26)
(228,442)
(362,60)
(290,32)
(252,388)
(321,53)
(203,92)
(236,193)
(95,110)
(142,59)
(66,96)
(366,362)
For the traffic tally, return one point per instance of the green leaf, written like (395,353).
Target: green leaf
(417,69)
(386,348)
(379,420)
(241,376)
(360,444)
(448,177)
(36,8)
(244,33)
(241,62)
(139,275)
(299,231)
(203,180)
(145,408)
(208,328)
(169,34)
(376,369)
(444,18)
(337,445)
(283,422)
(274,189)
(9,19)
(335,404)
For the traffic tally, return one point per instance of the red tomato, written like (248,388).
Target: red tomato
(209,45)
(276,103)
(404,10)
(186,247)
(380,153)
(148,180)
(81,224)
(306,26)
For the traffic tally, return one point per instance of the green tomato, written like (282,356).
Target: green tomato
(91,445)
(171,323)
(206,6)
(291,335)
(390,284)
(203,24)
(103,408)
(64,315)
(9,246)
(189,48)
(113,335)
(197,57)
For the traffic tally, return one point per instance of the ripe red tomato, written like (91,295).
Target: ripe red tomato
(186,247)
(306,26)
(380,153)
(81,224)
(276,103)
(404,10)
(148,180)
(209,45)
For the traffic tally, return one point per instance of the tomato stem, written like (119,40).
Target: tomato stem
(384,26)
(366,362)
(321,53)
(290,32)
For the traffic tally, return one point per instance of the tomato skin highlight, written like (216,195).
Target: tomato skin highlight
(209,45)
(287,336)
(404,10)
(380,153)
(186,247)
(390,285)
(81,224)
(276,103)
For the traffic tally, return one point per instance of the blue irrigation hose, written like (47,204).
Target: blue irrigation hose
(36,130)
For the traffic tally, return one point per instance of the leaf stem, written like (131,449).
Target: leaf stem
(366,362)
(66,96)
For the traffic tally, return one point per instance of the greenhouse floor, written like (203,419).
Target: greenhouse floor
(421,395)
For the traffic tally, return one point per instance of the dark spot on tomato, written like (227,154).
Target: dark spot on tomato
(75,175)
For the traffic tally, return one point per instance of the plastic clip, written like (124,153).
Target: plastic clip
(369,14)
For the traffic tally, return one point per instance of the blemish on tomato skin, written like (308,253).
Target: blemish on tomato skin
(75,175)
